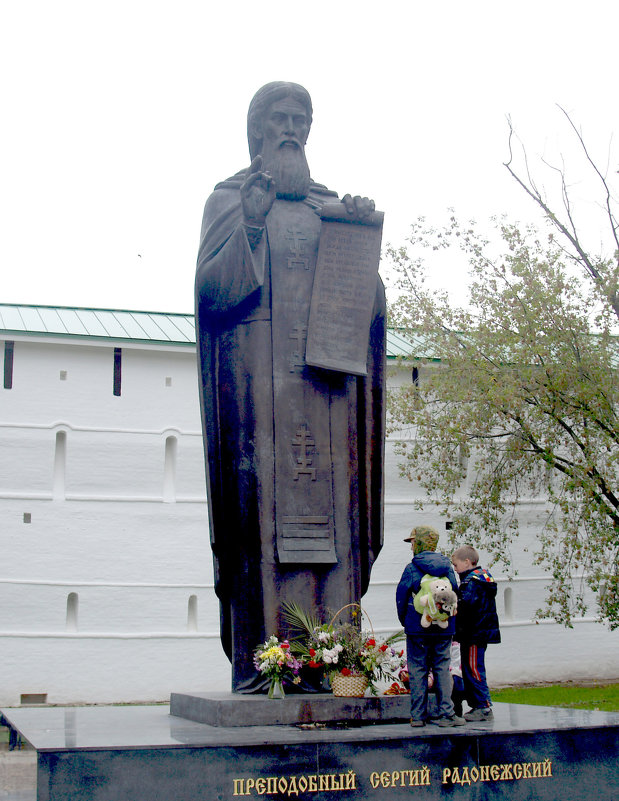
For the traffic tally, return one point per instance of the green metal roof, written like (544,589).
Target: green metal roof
(410,344)
(120,324)
(116,324)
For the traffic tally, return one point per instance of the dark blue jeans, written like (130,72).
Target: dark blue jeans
(427,653)
(476,689)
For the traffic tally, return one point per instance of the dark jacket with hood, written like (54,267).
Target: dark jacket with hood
(434,564)
(477,622)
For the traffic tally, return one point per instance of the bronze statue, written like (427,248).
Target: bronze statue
(294,453)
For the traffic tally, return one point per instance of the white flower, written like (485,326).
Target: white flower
(331,656)
(323,636)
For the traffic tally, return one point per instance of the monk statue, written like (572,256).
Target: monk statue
(294,452)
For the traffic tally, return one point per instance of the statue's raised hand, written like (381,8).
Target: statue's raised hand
(257,194)
(358,207)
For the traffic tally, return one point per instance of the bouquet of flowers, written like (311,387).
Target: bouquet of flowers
(274,660)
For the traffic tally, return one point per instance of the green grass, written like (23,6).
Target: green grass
(604,697)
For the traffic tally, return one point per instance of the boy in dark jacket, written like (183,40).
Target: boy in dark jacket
(426,648)
(477,624)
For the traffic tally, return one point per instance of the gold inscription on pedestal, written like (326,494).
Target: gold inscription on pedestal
(391,780)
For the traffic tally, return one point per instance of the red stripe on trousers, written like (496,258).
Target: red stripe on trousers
(473,662)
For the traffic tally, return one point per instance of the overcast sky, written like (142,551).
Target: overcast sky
(120,116)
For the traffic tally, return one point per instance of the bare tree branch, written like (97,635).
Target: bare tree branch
(609,288)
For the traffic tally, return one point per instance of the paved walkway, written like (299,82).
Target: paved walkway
(18,774)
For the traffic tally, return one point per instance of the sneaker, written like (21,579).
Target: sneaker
(483,713)
(417,723)
(454,720)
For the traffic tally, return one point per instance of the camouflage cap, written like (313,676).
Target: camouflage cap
(425,537)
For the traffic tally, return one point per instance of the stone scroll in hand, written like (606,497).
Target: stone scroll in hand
(344,290)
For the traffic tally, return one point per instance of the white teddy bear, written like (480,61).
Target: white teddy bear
(436,601)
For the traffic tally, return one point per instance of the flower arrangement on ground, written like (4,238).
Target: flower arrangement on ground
(344,649)
(275,660)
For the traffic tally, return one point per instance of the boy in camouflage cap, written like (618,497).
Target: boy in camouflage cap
(427,649)
(425,538)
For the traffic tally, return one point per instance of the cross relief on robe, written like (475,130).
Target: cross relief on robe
(303,440)
(296,238)
(298,333)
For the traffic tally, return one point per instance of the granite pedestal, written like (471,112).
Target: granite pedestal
(233,709)
(133,753)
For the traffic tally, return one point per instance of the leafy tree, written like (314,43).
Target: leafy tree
(523,394)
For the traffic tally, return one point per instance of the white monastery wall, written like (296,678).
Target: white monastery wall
(106,583)
(106,587)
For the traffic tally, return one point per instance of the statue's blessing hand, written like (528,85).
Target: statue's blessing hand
(257,194)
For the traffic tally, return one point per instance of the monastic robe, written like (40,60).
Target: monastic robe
(294,453)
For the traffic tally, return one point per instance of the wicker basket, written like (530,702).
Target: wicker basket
(349,686)
(353,686)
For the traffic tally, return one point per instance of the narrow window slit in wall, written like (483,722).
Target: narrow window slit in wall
(70,727)
(169,470)
(27,517)
(508,601)
(168,381)
(72,611)
(63,375)
(416,376)
(118,356)
(192,613)
(463,459)
(8,364)
(60,464)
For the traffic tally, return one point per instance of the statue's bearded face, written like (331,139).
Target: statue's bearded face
(284,130)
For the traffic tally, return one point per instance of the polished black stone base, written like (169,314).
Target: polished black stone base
(232,709)
(133,753)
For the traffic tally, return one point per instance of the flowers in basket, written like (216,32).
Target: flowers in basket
(275,660)
(350,657)
(346,650)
